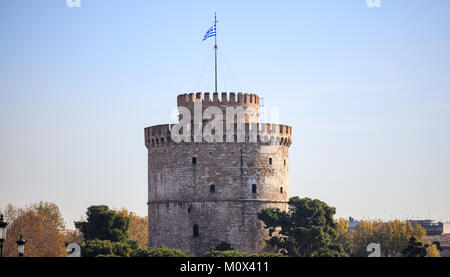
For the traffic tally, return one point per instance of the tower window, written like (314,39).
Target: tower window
(270,161)
(281,190)
(212,188)
(195,231)
(194,160)
(253,188)
(284,162)
(189,209)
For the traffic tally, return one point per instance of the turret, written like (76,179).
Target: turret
(249,102)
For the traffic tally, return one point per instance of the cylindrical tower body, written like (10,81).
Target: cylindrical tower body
(201,193)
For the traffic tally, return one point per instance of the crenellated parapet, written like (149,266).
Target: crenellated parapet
(158,134)
(263,133)
(229,99)
(247,102)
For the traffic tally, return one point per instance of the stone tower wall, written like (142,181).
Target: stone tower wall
(180,196)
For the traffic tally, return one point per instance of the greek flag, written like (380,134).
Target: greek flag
(210,33)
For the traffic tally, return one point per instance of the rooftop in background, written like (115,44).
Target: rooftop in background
(432,226)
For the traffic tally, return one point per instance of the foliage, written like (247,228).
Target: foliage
(133,244)
(102,248)
(342,236)
(327,252)
(223,246)
(227,253)
(267,254)
(94,248)
(433,250)
(104,224)
(159,252)
(73,236)
(393,236)
(307,229)
(41,225)
(235,253)
(224,249)
(366,232)
(416,248)
(138,227)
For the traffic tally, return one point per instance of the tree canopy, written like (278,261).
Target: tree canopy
(138,230)
(160,252)
(104,224)
(416,248)
(235,253)
(393,236)
(106,248)
(41,225)
(307,229)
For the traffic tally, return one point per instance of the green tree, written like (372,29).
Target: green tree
(416,248)
(307,229)
(227,253)
(223,246)
(94,248)
(104,224)
(106,248)
(235,253)
(159,252)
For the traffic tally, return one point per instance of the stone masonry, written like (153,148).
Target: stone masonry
(201,193)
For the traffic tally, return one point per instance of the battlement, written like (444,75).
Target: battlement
(228,99)
(266,133)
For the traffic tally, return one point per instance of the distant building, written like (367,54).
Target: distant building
(436,231)
(352,224)
(444,241)
(432,227)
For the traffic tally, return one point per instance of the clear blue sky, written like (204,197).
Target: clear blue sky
(367,91)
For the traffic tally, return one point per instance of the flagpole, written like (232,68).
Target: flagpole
(215,49)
